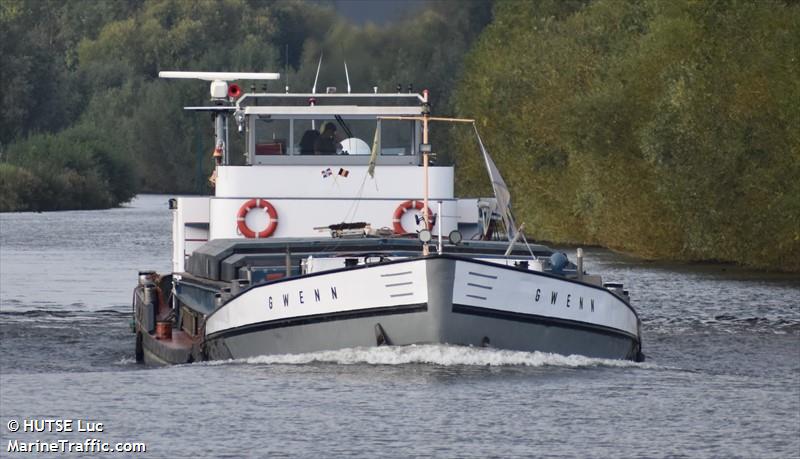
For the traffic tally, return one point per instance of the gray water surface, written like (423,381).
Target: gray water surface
(722,377)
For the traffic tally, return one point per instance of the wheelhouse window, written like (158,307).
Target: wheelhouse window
(354,135)
(397,137)
(271,136)
(333,136)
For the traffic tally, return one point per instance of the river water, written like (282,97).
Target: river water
(722,377)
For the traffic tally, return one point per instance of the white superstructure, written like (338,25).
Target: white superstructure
(374,168)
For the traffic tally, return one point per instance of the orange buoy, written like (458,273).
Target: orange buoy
(241,224)
(403,208)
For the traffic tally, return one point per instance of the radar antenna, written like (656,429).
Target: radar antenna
(220,76)
(220,91)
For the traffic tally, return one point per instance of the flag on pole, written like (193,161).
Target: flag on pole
(344,172)
(501,192)
(373,157)
(327,173)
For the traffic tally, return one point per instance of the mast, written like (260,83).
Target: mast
(426,151)
(426,112)
(223,94)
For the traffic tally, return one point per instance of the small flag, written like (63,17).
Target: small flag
(327,173)
(373,157)
(344,172)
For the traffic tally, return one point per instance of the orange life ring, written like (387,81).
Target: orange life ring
(403,208)
(241,224)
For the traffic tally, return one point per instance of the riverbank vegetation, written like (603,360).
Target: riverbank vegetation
(664,129)
(86,173)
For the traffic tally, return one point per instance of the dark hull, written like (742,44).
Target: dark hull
(434,324)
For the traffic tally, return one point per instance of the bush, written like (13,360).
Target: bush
(17,186)
(74,169)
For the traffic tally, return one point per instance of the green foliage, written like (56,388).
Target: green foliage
(16,187)
(74,169)
(38,62)
(667,129)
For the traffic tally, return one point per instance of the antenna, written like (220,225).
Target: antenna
(286,68)
(347,75)
(314,88)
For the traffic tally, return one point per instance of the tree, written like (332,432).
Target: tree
(658,128)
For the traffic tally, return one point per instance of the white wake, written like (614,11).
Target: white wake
(434,354)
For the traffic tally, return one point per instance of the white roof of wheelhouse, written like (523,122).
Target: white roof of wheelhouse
(343,110)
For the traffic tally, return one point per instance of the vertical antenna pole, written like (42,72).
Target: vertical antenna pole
(314,89)
(347,76)
(319,66)
(286,68)
(227,157)
(425,156)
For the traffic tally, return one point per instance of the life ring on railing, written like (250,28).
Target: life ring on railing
(241,224)
(403,208)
